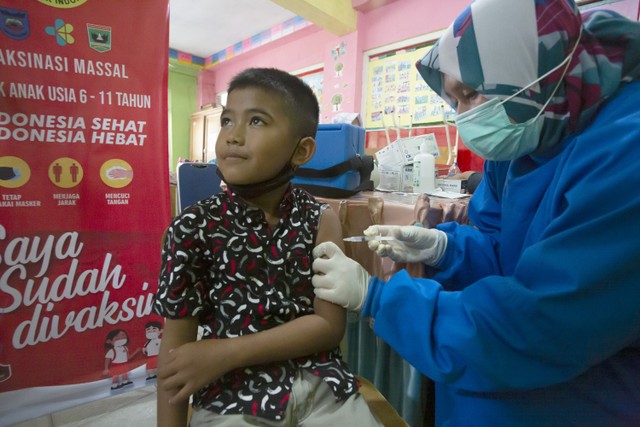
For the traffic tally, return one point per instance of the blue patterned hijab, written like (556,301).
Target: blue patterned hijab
(498,47)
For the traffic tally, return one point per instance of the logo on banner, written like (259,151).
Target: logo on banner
(14,23)
(63,4)
(99,37)
(5,372)
(62,32)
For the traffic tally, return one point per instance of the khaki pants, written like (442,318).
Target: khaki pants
(312,404)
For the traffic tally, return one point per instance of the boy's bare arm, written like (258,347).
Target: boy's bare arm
(199,363)
(330,230)
(175,334)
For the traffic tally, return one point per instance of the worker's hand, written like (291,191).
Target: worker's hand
(191,366)
(411,244)
(338,278)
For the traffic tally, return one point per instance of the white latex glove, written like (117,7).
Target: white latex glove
(412,244)
(338,278)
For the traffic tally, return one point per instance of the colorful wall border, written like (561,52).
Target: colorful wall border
(288,27)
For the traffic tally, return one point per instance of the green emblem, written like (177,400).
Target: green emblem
(99,37)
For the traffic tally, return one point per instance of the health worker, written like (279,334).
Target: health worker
(533,315)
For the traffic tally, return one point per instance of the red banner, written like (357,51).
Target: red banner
(84,197)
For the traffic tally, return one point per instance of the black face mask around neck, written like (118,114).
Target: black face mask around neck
(252,190)
(285,175)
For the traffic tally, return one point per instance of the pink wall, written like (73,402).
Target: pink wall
(206,88)
(397,21)
(293,52)
(405,19)
(394,22)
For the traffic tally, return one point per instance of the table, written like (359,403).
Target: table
(370,357)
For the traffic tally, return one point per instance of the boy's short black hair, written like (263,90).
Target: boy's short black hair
(296,95)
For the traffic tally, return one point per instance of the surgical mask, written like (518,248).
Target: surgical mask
(152,335)
(119,343)
(487,130)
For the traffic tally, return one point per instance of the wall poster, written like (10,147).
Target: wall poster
(397,94)
(84,199)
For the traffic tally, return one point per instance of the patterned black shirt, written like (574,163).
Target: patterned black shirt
(223,263)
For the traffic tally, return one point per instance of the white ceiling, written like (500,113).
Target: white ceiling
(205,27)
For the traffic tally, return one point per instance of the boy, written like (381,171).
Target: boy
(239,265)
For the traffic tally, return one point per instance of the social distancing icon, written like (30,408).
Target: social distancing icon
(65,172)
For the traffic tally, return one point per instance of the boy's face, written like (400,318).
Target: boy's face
(256,139)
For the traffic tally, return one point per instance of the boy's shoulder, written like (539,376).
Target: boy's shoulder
(303,195)
(307,201)
(204,208)
(223,201)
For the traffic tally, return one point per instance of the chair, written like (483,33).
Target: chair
(195,181)
(379,405)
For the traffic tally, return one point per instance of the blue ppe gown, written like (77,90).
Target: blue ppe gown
(533,318)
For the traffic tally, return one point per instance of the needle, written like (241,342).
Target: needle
(367,238)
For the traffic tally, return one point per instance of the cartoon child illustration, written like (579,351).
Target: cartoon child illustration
(153,331)
(116,361)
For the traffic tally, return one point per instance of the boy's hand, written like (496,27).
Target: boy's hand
(191,366)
